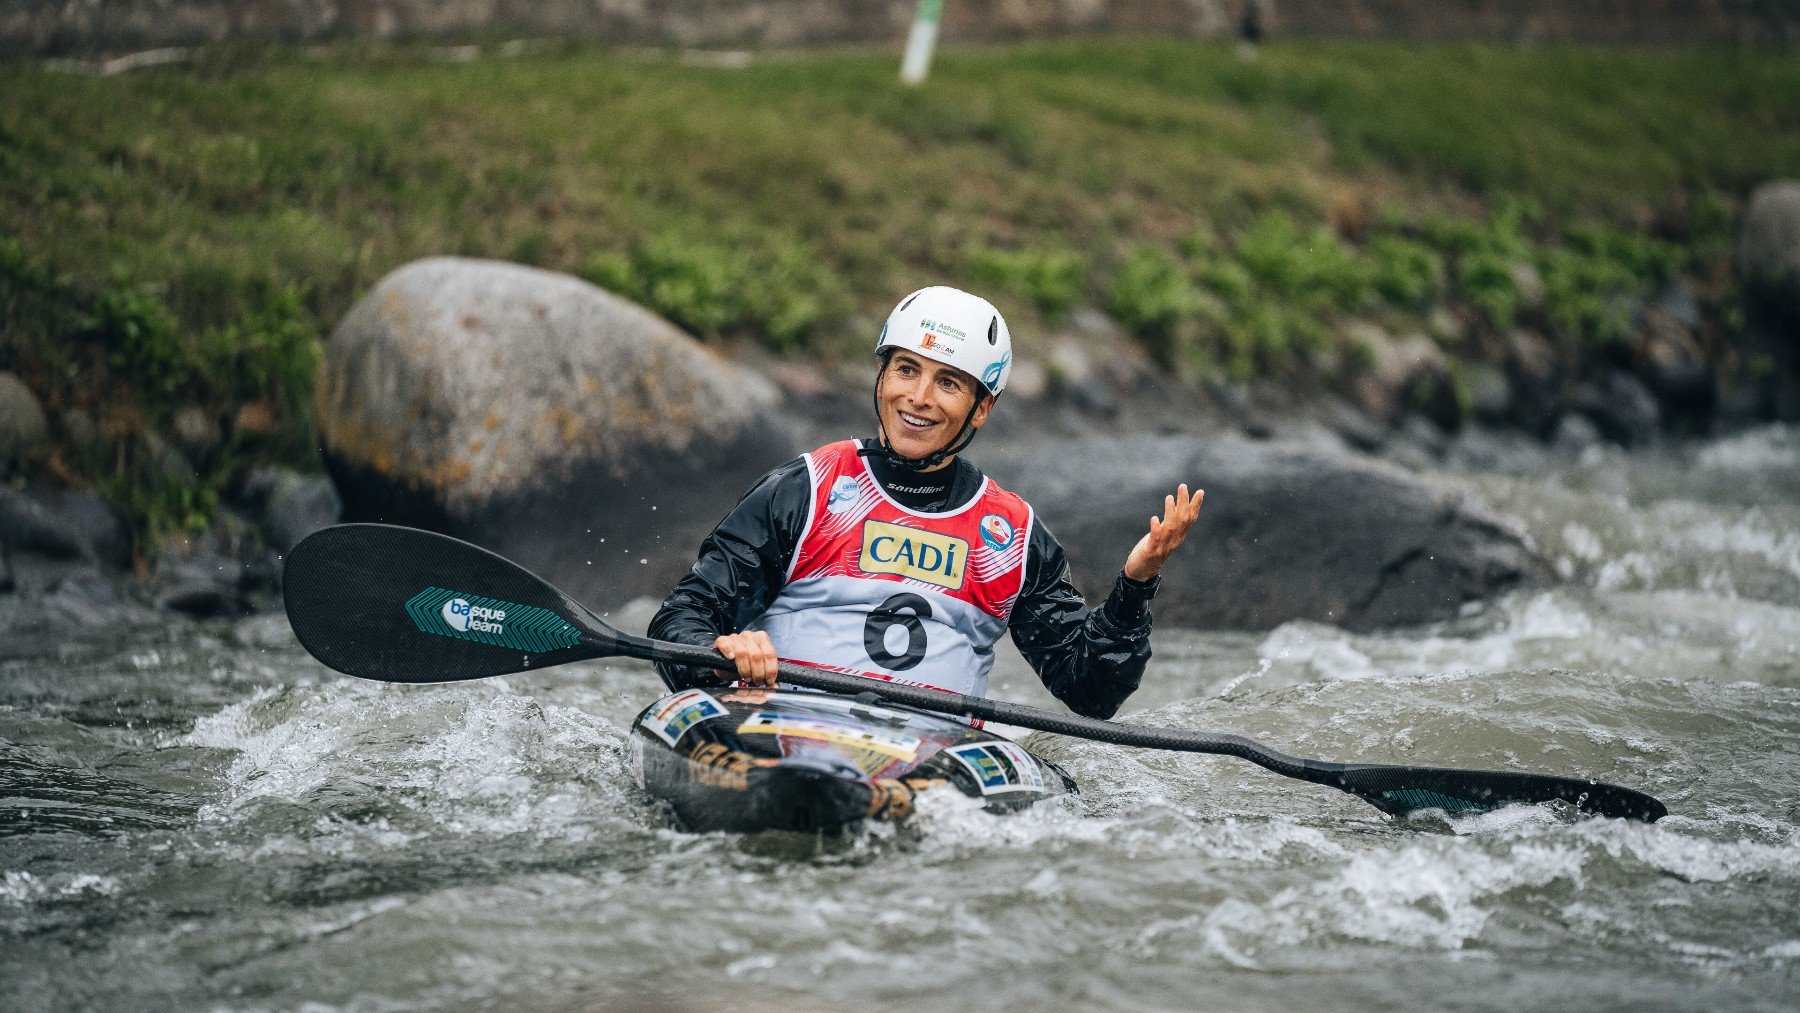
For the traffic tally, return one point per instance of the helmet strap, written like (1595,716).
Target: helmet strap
(964,436)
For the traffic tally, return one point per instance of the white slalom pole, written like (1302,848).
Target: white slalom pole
(920,40)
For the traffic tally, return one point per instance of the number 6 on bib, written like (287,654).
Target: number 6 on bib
(879,589)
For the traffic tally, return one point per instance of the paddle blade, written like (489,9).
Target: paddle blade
(402,605)
(1403,790)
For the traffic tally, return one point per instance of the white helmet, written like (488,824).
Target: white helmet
(955,328)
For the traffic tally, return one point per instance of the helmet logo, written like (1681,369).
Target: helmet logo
(996,369)
(943,330)
(929,341)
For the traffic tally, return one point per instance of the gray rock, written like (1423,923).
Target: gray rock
(1673,363)
(7,583)
(22,423)
(194,431)
(1449,329)
(171,461)
(289,506)
(1355,428)
(206,576)
(1425,435)
(1490,394)
(1574,434)
(543,418)
(63,525)
(1536,377)
(1622,407)
(79,428)
(1499,451)
(1286,533)
(88,598)
(1680,304)
(1094,325)
(1405,374)
(1095,400)
(1768,249)
(1529,284)
(1029,380)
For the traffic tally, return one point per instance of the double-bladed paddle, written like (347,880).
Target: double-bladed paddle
(398,604)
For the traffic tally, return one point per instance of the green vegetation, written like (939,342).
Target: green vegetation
(183,236)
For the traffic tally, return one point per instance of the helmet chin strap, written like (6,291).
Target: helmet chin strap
(964,436)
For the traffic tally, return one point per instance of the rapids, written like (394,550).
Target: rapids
(196,815)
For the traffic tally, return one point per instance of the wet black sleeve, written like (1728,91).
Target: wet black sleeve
(1092,660)
(740,569)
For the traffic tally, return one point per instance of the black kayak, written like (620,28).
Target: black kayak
(753,760)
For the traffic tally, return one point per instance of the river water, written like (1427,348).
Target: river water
(198,816)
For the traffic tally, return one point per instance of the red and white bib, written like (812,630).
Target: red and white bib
(881,590)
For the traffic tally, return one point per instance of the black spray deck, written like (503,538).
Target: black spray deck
(750,760)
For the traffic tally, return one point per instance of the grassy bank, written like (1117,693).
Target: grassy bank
(181,236)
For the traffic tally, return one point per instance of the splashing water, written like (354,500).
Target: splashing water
(197,815)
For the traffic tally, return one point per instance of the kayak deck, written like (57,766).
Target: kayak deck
(753,760)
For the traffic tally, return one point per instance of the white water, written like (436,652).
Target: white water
(200,817)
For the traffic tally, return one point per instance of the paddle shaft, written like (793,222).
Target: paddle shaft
(984,708)
(402,605)
(1391,788)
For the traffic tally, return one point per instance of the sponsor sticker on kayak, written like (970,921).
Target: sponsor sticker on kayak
(1000,767)
(671,719)
(821,729)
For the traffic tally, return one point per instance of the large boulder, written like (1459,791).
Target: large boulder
(543,418)
(1287,531)
(1404,374)
(289,506)
(1768,250)
(1622,407)
(63,524)
(22,423)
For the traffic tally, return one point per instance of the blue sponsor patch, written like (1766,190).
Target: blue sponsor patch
(844,494)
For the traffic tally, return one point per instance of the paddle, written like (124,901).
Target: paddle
(402,605)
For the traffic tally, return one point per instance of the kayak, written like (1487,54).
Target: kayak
(754,760)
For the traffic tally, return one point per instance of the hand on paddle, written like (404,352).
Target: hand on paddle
(754,653)
(1166,533)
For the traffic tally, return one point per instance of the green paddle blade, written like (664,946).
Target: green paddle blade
(1403,790)
(401,605)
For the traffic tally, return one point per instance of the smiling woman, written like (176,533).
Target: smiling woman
(896,558)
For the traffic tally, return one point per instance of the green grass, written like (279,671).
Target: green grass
(181,235)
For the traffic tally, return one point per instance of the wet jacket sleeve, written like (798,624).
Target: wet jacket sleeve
(740,569)
(1092,660)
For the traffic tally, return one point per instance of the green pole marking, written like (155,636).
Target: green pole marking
(526,627)
(930,10)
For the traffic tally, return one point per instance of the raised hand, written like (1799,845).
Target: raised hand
(1166,533)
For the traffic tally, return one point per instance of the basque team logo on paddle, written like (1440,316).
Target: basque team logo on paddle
(997,532)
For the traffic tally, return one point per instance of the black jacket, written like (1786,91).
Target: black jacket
(1091,660)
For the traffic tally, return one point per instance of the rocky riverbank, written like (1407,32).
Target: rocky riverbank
(561,425)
